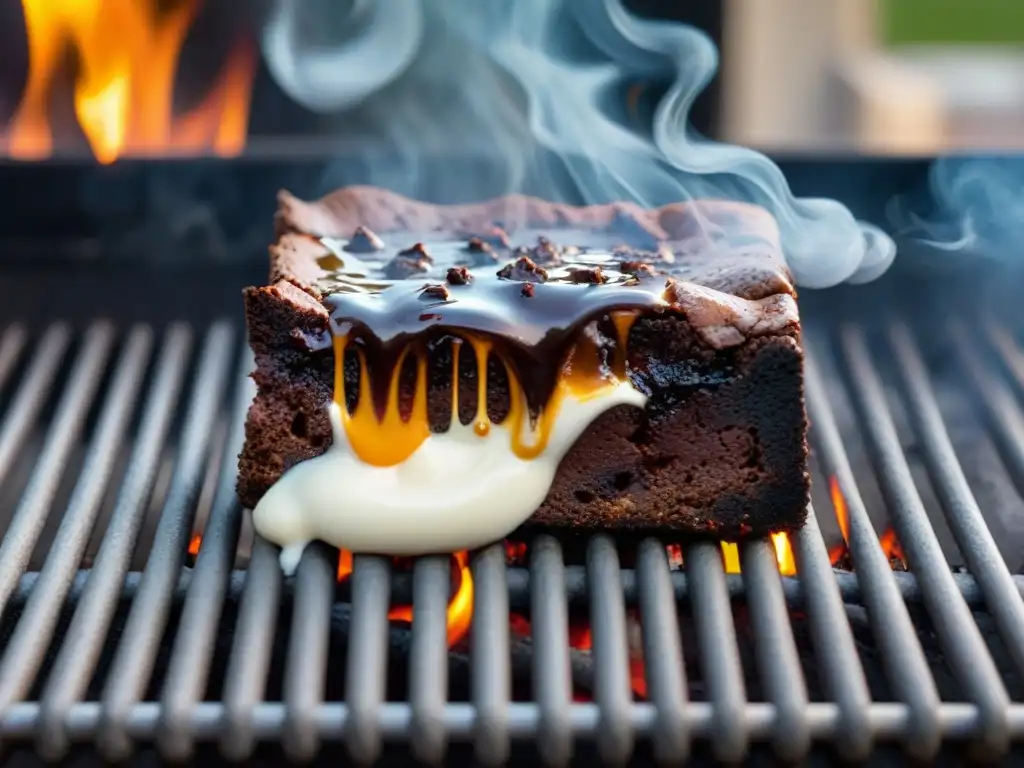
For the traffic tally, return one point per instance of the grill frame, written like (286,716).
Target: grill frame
(179,721)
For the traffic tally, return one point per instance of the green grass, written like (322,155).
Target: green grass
(952,21)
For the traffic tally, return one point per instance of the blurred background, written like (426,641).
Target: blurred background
(889,77)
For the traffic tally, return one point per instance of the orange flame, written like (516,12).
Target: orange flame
(127,54)
(888,540)
(783,555)
(460,607)
(837,552)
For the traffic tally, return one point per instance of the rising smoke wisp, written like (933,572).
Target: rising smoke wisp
(972,205)
(535,87)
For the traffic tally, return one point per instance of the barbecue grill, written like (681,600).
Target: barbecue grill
(122,414)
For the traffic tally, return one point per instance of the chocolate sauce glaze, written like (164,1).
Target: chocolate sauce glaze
(532,295)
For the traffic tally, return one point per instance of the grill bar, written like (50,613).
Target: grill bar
(663,653)
(889,721)
(777,656)
(250,654)
(23,652)
(794,591)
(833,641)
(962,514)
(1005,418)
(893,630)
(492,669)
(367,655)
(136,653)
(189,667)
(11,344)
(33,391)
(612,691)
(94,611)
(134,698)
(428,657)
(307,653)
(719,655)
(551,676)
(959,635)
(30,516)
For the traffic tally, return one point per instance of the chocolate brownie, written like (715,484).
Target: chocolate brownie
(691,302)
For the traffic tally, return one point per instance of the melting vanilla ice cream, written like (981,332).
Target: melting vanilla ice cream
(388,485)
(458,490)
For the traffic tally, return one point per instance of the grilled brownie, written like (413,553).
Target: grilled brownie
(691,304)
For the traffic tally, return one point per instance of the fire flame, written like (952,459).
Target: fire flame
(127,56)
(888,540)
(460,607)
(783,555)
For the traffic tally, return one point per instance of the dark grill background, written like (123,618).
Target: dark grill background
(122,393)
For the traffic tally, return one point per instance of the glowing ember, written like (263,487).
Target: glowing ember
(730,557)
(783,555)
(515,552)
(460,607)
(893,549)
(194,544)
(127,53)
(840,553)
(637,677)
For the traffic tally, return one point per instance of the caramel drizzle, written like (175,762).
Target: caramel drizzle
(389,439)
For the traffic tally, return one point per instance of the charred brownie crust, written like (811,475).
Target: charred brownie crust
(721,447)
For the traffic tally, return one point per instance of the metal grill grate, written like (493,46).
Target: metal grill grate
(114,441)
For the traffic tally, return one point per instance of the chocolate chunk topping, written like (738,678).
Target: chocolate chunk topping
(476,245)
(588,275)
(417,251)
(638,272)
(546,252)
(434,291)
(525,270)
(636,268)
(403,267)
(364,240)
(481,252)
(458,276)
(527,290)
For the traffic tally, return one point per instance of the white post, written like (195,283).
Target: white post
(805,74)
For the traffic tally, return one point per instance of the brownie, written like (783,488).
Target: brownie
(713,341)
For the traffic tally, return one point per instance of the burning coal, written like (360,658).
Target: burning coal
(544,91)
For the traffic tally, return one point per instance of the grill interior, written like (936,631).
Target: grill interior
(117,444)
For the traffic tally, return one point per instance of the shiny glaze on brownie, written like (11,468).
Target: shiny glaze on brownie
(549,312)
(529,294)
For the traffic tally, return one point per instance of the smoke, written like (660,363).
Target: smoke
(537,90)
(973,205)
(330,56)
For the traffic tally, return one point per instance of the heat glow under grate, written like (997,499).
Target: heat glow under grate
(117,443)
